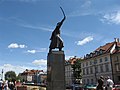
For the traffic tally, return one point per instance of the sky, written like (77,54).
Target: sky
(26,27)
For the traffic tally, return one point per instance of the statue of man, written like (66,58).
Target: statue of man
(56,40)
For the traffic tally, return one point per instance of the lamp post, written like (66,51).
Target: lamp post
(2,75)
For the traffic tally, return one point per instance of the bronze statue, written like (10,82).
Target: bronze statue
(56,40)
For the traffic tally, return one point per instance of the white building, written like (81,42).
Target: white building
(99,63)
(68,73)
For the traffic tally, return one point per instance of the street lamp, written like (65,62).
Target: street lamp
(2,75)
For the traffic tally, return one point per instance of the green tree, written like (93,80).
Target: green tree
(77,69)
(10,75)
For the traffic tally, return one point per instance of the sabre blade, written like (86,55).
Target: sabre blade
(62,11)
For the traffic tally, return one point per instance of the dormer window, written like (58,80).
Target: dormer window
(101,51)
(87,56)
(91,54)
(96,52)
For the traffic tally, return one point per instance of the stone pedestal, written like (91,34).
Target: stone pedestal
(56,70)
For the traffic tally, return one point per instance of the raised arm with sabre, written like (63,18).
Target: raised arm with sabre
(56,40)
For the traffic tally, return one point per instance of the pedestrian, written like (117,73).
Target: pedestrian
(1,84)
(109,83)
(6,85)
(100,83)
(11,85)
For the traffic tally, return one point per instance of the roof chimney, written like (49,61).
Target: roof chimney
(116,39)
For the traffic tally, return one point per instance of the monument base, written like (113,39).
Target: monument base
(56,71)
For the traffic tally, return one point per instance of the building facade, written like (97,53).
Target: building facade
(33,76)
(69,72)
(101,62)
(115,57)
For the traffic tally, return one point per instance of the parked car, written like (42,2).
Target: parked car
(30,83)
(116,87)
(90,87)
(77,87)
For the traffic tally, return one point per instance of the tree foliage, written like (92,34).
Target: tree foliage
(10,75)
(77,69)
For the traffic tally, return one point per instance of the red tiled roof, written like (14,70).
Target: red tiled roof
(106,47)
(73,60)
(31,71)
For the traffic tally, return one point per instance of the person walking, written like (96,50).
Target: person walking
(1,84)
(100,83)
(109,83)
(5,85)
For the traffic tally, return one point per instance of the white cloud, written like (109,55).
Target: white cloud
(40,62)
(15,45)
(31,51)
(85,40)
(24,24)
(87,4)
(23,0)
(35,51)
(17,69)
(112,17)
(84,9)
(68,57)
(35,27)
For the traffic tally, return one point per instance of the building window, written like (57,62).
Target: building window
(117,58)
(87,81)
(101,51)
(119,78)
(91,81)
(83,64)
(87,71)
(96,69)
(100,60)
(107,67)
(117,67)
(101,68)
(106,59)
(91,55)
(84,81)
(95,61)
(83,71)
(91,70)
(86,63)
(96,52)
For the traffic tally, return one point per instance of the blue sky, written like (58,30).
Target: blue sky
(26,26)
